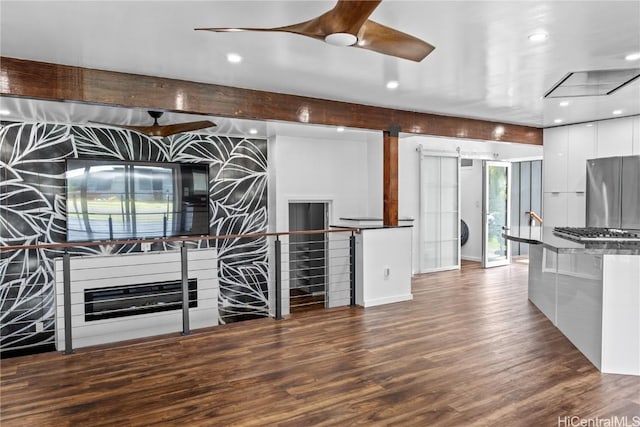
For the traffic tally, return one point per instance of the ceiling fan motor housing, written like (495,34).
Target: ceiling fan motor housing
(341,39)
(155,115)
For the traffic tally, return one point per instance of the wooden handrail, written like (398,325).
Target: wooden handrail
(172,239)
(533,215)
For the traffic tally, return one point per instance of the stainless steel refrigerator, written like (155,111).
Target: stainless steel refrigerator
(613,192)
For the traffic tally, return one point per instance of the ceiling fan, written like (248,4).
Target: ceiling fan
(159,131)
(347,24)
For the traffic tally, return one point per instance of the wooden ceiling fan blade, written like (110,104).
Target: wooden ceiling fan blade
(234,30)
(388,41)
(309,28)
(152,131)
(168,130)
(146,130)
(157,131)
(347,16)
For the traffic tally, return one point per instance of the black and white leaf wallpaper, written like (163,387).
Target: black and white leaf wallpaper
(32,210)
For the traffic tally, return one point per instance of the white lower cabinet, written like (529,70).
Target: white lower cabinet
(621,314)
(594,300)
(554,209)
(542,280)
(579,303)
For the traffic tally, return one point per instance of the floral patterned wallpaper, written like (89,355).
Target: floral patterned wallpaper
(32,210)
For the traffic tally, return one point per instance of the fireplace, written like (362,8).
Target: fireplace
(132,300)
(107,290)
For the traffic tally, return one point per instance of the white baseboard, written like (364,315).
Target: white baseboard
(388,300)
(471,258)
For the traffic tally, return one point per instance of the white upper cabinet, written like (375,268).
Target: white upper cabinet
(555,150)
(566,150)
(615,137)
(581,146)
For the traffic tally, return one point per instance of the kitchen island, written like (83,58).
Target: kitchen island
(591,293)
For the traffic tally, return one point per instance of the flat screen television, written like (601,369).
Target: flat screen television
(114,200)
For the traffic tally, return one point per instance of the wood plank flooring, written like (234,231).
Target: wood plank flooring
(301,301)
(468,350)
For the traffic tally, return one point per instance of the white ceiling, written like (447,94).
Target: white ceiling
(484,66)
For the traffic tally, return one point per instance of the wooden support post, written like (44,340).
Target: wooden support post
(390,177)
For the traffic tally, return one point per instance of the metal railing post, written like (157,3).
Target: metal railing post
(352,258)
(164,226)
(278,262)
(66,291)
(185,290)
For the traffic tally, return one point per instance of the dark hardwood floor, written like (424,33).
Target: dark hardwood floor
(301,301)
(468,350)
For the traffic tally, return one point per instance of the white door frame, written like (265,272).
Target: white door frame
(486,263)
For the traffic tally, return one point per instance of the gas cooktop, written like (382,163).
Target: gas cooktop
(597,234)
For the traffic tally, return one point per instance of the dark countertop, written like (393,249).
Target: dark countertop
(565,246)
(371,219)
(370,223)
(369,227)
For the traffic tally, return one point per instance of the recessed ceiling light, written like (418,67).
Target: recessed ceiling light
(253,131)
(557,121)
(589,125)
(633,56)
(234,58)
(538,36)
(340,129)
(564,104)
(392,84)
(616,112)
(4,112)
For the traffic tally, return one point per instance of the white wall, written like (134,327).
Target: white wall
(321,170)
(310,169)
(409,192)
(374,165)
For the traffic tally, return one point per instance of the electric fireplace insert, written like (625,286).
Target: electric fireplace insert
(131,300)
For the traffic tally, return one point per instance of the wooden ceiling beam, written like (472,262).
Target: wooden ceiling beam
(48,81)
(390,177)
